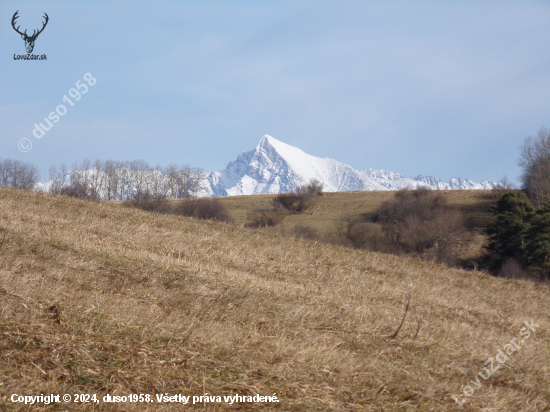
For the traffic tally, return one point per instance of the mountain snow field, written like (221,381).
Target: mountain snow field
(276,167)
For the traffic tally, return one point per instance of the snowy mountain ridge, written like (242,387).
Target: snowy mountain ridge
(272,167)
(276,167)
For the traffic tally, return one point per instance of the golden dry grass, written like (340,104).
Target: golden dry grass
(95,298)
(474,203)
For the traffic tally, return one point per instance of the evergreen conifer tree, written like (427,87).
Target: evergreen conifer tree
(507,233)
(537,247)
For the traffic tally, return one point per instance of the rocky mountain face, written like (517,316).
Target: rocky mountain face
(276,167)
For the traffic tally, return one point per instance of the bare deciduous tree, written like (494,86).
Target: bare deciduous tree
(505,184)
(535,160)
(197,183)
(18,174)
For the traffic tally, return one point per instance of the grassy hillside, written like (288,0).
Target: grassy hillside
(95,298)
(474,203)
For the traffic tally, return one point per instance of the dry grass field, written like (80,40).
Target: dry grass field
(100,299)
(474,203)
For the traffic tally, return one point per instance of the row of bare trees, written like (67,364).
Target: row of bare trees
(130,180)
(18,174)
(108,179)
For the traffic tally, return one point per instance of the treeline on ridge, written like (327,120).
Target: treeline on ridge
(135,182)
(108,179)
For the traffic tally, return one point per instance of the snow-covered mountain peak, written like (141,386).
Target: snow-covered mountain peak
(276,167)
(299,161)
(267,140)
(269,143)
(272,167)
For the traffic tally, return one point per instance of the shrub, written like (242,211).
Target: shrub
(344,225)
(512,269)
(78,190)
(313,188)
(353,231)
(285,201)
(292,202)
(201,208)
(150,205)
(305,232)
(303,198)
(207,208)
(369,236)
(420,221)
(265,217)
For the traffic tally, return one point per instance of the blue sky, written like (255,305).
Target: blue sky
(443,88)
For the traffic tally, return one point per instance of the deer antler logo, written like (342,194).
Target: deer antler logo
(29,40)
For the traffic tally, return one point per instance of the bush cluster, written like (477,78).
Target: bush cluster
(264,217)
(421,222)
(302,199)
(416,222)
(207,208)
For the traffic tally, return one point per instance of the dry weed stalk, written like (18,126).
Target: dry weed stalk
(406,307)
